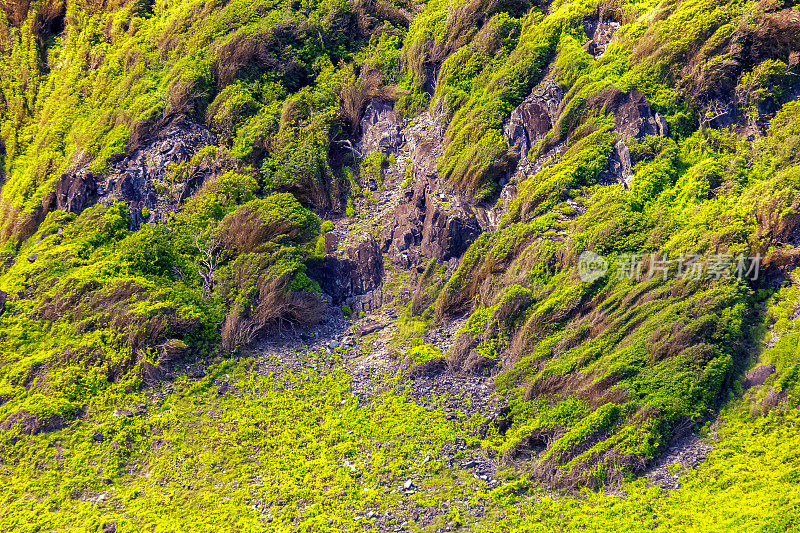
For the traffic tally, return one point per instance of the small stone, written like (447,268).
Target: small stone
(408,484)
(122,412)
(32,258)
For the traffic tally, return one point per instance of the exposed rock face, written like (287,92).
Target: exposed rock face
(423,144)
(758,376)
(420,143)
(133,178)
(619,166)
(427,226)
(600,34)
(532,119)
(381,132)
(354,276)
(424,221)
(76,192)
(633,117)
(3,299)
(537,114)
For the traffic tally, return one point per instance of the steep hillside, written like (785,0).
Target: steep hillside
(386,265)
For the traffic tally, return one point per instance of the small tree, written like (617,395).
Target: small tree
(207,244)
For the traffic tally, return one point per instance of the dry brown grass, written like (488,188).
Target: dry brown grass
(185,97)
(353,98)
(459,352)
(462,24)
(371,12)
(244,231)
(258,51)
(273,307)
(16,11)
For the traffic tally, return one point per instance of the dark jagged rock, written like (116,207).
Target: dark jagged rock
(133,178)
(421,142)
(380,130)
(3,300)
(424,142)
(600,34)
(425,225)
(537,114)
(331,243)
(76,192)
(426,222)
(533,118)
(356,278)
(633,117)
(757,376)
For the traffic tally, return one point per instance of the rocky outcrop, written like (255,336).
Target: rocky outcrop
(417,146)
(600,33)
(354,275)
(535,116)
(423,145)
(422,221)
(76,192)
(633,118)
(757,376)
(140,178)
(619,166)
(532,119)
(428,224)
(380,129)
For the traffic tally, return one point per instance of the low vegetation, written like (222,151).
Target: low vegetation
(128,391)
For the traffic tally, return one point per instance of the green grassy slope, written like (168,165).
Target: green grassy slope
(596,374)
(300,452)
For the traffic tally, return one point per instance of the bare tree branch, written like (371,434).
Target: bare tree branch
(209,249)
(349,145)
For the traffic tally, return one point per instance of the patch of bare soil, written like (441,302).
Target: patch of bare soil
(683,455)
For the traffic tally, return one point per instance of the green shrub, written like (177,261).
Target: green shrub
(151,251)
